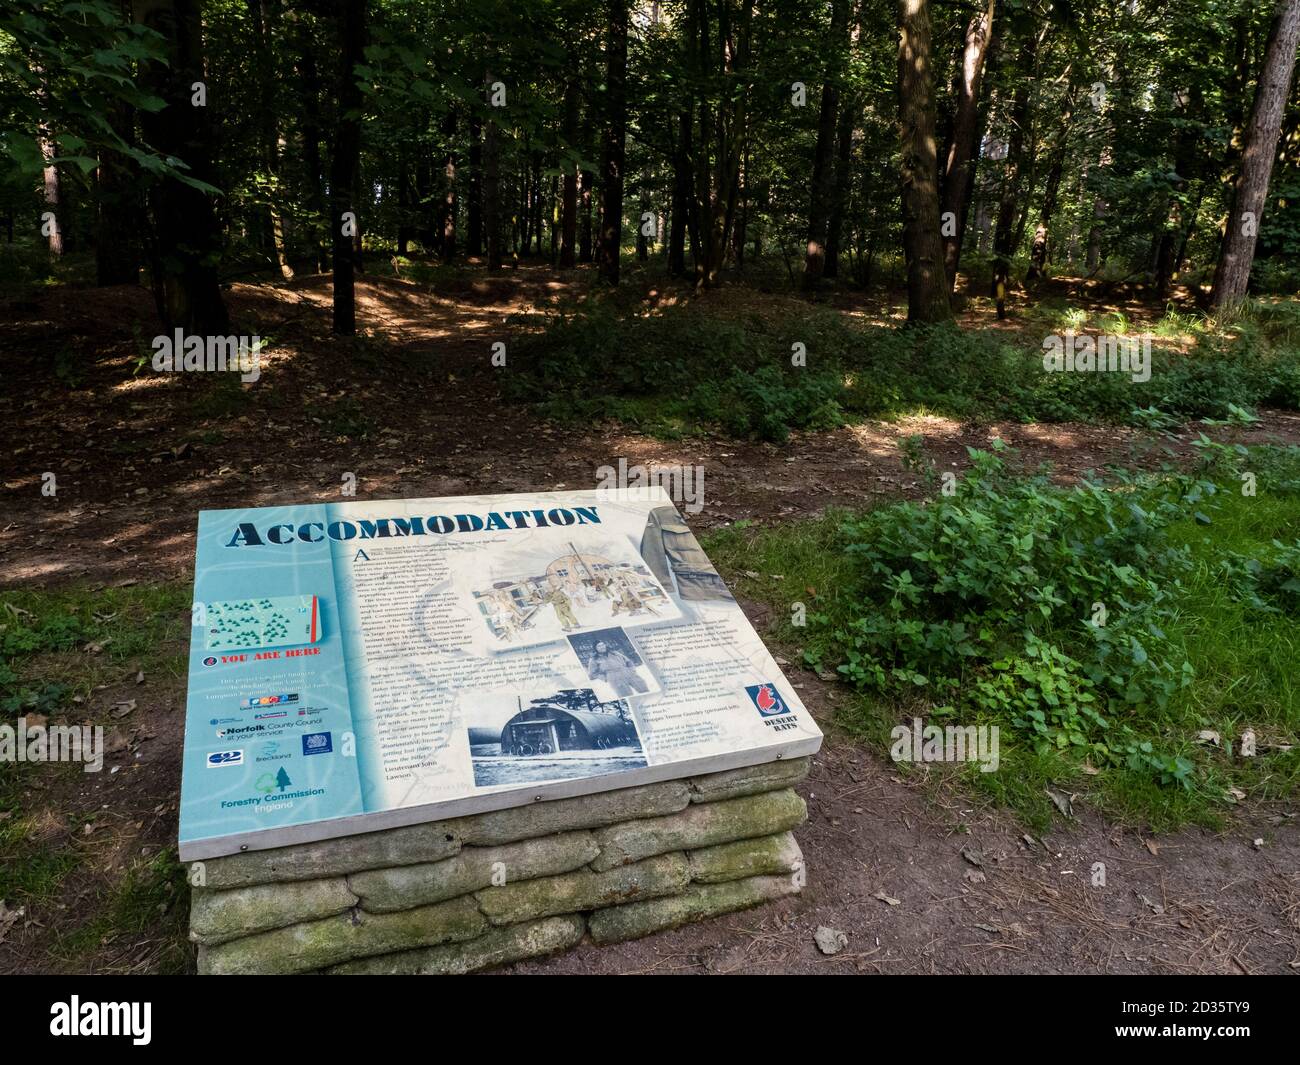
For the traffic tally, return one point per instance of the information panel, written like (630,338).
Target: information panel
(363,665)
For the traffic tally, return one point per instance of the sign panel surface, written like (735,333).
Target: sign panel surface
(369,664)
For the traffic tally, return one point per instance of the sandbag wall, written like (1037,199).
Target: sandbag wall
(473,892)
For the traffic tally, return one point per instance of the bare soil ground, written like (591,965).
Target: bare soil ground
(135,456)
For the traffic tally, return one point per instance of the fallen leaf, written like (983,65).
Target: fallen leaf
(1154,907)
(7,918)
(886,898)
(1062,802)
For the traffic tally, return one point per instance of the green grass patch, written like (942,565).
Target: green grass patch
(152,897)
(1123,634)
(58,644)
(31,870)
(703,365)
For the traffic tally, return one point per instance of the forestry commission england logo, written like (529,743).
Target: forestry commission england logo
(766,700)
(77,1018)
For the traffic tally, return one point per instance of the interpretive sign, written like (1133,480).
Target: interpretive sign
(363,665)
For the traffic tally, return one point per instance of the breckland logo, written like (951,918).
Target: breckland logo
(134,1019)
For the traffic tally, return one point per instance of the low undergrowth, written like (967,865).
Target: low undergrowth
(1128,635)
(688,367)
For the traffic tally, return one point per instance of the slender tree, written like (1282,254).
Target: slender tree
(1237,253)
(345,167)
(927,289)
(823,175)
(959,164)
(186,238)
(614,150)
(569,196)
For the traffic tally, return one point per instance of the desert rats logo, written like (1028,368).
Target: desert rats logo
(766,700)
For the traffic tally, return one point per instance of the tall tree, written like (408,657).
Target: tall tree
(927,289)
(823,175)
(1014,168)
(345,166)
(447,204)
(1237,253)
(959,165)
(474,211)
(186,238)
(569,195)
(117,244)
(614,149)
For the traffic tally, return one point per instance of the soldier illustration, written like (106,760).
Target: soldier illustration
(563,609)
(629,602)
(615,669)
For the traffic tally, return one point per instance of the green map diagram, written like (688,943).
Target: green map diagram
(245,624)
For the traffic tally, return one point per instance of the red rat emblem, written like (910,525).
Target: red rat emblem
(766,700)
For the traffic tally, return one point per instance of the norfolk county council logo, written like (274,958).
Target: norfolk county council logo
(766,700)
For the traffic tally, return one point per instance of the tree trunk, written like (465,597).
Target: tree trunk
(586,181)
(569,197)
(843,183)
(682,202)
(927,289)
(1004,234)
(117,246)
(187,238)
(447,238)
(474,213)
(823,175)
(1051,196)
(960,164)
(50,178)
(345,166)
(1237,253)
(308,87)
(611,217)
(492,190)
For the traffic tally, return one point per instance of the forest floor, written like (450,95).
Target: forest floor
(414,410)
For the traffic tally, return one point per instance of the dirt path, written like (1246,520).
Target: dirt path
(136,456)
(885,865)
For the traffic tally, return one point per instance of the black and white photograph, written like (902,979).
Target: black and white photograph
(613,664)
(549,736)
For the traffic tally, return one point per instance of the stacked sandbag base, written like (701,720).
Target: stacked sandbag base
(472,892)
